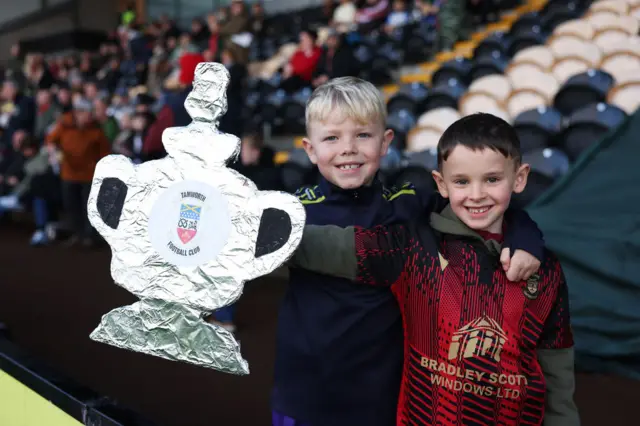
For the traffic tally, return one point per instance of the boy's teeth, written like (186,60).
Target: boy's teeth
(481,210)
(349,166)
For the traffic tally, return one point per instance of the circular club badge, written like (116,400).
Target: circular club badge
(189,223)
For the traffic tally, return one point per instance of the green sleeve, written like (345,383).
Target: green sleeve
(327,250)
(558,369)
(111,130)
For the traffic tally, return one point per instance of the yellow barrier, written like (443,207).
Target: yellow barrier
(21,406)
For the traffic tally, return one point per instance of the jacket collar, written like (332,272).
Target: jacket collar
(363,194)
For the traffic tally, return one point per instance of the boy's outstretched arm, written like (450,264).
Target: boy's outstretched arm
(523,245)
(374,256)
(556,357)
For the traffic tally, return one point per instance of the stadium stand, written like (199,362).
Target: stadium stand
(563,72)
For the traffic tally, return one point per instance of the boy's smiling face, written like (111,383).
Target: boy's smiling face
(479,184)
(346,151)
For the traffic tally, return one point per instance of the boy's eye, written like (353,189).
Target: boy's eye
(460,181)
(364,135)
(493,180)
(331,138)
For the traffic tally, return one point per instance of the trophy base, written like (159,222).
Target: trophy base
(171,331)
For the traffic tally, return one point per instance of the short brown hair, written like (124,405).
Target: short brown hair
(477,132)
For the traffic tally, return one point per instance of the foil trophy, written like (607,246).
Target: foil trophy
(186,232)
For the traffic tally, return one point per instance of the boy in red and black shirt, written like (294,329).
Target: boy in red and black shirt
(479,350)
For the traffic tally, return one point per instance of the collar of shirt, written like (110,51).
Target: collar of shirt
(363,194)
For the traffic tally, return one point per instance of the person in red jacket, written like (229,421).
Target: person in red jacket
(298,73)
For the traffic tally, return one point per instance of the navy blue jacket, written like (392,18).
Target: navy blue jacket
(339,347)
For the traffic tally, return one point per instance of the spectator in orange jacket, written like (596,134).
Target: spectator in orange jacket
(81,143)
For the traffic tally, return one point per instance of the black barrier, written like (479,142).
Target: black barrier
(73,404)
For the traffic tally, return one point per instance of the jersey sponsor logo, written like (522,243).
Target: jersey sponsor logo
(480,338)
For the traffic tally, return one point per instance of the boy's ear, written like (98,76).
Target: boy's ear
(386,141)
(522,174)
(308,148)
(442,188)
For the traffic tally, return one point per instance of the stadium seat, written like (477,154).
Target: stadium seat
(626,96)
(379,71)
(445,94)
(497,85)
(427,159)
(411,97)
(537,184)
(550,162)
(524,99)
(579,28)
(390,164)
(297,171)
(477,101)
(556,13)
(620,62)
(541,56)
(423,137)
(292,111)
(538,128)
(525,22)
(588,125)
(567,67)
(488,65)
(530,77)
(401,122)
(496,41)
(418,170)
(458,68)
(583,89)
(439,118)
(524,39)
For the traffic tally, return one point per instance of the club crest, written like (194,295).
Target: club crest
(188,222)
(531,287)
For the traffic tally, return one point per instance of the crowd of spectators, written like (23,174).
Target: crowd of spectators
(59,114)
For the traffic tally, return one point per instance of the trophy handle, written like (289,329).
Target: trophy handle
(281,227)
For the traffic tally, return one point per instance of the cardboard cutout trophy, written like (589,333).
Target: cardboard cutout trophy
(186,232)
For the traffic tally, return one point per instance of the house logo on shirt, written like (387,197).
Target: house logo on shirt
(481,337)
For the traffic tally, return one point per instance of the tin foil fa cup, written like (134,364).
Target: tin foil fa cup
(186,232)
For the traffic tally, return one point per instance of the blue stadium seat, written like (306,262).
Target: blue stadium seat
(531,37)
(499,41)
(487,65)
(445,94)
(525,22)
(550,162)
(410,97)
(401,122)
(538,128)
(588,125)
(458,68)
(537,184)
(583,89)
(557,12)
(390,164)
(427,159)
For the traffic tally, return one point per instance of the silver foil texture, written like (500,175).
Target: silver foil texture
(184,235)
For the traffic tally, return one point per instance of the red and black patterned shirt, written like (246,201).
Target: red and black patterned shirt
(471,336)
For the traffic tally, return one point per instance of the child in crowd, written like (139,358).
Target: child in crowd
(479,349)
(339,351)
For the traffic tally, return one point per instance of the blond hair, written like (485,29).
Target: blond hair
(350,97)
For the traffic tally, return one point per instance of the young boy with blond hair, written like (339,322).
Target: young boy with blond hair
(478,349)
(339,351)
